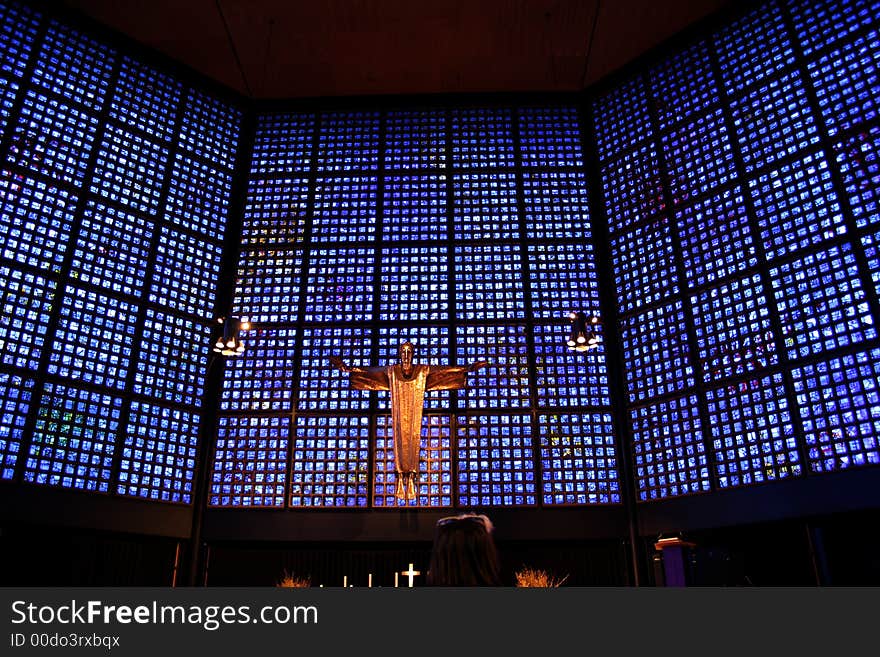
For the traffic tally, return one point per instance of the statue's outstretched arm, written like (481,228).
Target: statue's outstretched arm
(363,378)
(451,377)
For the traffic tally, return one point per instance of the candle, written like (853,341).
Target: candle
(370,580)
(345,581)
(395,579)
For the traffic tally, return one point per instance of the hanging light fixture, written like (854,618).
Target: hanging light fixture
(583,332)
(229,343)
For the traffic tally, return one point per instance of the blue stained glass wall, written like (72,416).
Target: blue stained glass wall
(740,179)
(113,206)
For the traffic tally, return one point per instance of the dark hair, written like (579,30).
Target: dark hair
(464,553)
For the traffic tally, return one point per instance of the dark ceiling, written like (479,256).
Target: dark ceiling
(292,48)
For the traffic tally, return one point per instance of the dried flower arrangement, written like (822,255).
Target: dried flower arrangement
(536,578)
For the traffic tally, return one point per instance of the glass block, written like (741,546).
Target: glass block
(563,278)
(276,212)
(840,410)
(414,283)
(504,383)
(699,157)
(94,338)
(348,141)
(715,237)
(550,137)
(485,206)
(621,119)
(414,208)
(669,456)
(821,302)
(568,378)
(752,433)
(632,188)
(186,273)
(74,439)
(146,99)
(267,286)
(434,485)
(655,352)
(555,205)
(732,325)
(210,129)
(198,197)
(159,454)
(859,163)
(283,144)
(871,246)
(262,378)
(18,31)
(644,265)
(488,282)
(130,170)
(822,22)
(72,65)
(35,222)
(330,462)
(496,461)
(26,302)
(432,347)
(797,206)
(578,459)
(16,393)
(52,138)
(345,210)
(683,84)
(173,358)
(250,462)
(340,285)
(8,92)
(415,140)
(321,386)
(482,137)
(112,249)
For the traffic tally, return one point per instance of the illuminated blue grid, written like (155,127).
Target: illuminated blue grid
(871,245)
(655,352)
(858,159)
(556,205)
(345,210)
(484,206)
(321,386)
(145,99)
(752,433)
(840,410)
(699,156)
(732,325)
(35,221)
(283,144)
(340,285)
(753,47)
(330,462)
(173,358)
(578,459)
(715,237)
(683,84)
(159,454)
(773,121)
(267,286)
(569,378)
(185,273)
(210,129)
(18,29)
(26,302)
(198,197)
(74,66)
(415,140)
(74,439)
(621,118)
(821,22)
(550,137)
(821,302)
(504,383)
(262,378)
(632,188)
(414,208)
(8,92)
(112,249)
(644,265)
(488,282)
(276,212)
(431,348)
(16,393)
(496,461)
(52,138)
(434,485)
(94,338)
(129,170)
(482,138)
(563,278)
(846,83)
(250,462)
(796,206)
(414,284)
(668,450)
(348,141)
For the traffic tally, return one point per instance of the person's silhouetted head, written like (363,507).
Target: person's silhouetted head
(464,553)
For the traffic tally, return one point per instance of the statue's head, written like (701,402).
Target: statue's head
(407,352)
